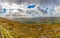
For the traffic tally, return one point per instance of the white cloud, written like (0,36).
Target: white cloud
(13,9)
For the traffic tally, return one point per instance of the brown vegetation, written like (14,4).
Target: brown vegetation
(21,30)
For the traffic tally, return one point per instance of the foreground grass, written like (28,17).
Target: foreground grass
(12,29)
(5,33)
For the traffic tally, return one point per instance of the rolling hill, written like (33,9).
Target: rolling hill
(14,29)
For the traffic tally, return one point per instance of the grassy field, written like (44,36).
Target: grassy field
(14,29)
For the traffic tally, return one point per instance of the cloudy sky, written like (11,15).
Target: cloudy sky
(56,3)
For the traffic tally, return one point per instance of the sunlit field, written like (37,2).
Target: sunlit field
(14,29)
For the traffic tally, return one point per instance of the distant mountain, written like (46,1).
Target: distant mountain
(37,19)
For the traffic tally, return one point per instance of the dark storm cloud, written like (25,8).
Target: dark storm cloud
(17,1)
(57,2)
(14,1)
